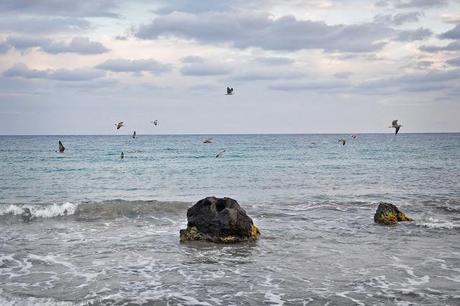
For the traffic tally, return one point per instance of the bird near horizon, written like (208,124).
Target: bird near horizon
(155,122)
(229,91)
(343,141)
(207,140)
(220,154)
(396,126)
(61,147)
(134,134)
(119,125)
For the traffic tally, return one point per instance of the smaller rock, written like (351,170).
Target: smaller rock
(26,215)
(388,214)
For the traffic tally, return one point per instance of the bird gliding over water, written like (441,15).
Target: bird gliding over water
(119,125)
(396,126)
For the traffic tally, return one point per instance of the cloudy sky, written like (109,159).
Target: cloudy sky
(297,66)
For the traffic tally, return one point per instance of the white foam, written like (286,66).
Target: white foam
(41,211)
(439,224)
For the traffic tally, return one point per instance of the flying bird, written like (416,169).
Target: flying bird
(353,136)
(155,122)
(229,91)
(122,155)
(207,140)
(220,154)
(119,125)
(134,134)
(396,126)
(61,147)
(343,141)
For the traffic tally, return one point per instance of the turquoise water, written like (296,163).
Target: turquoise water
(261,168)
(105,229)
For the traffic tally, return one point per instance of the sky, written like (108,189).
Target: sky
(296,66)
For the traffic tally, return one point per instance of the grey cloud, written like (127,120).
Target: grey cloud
(75,75)
(274,61)
(453,46)
(321,86)
(42,24)
(427,81)
(127,65)
(343,75)
(454,62)
(204,69)
(81,8)
(24,42)
(420,3)
(452,34)
(81,45)
(266,76)
(382,3)
(22,71)
(418,34)
(285,33)
(4,47)
(398,19)
(169,6)
(192,59)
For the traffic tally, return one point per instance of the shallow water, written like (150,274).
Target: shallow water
(106,230)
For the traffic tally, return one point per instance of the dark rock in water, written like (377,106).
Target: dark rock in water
(388,214)
(26,215)
(219,220)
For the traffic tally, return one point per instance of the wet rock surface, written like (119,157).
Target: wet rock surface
(220,220)
(389,214)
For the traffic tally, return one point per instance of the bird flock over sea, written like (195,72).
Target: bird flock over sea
(394,125)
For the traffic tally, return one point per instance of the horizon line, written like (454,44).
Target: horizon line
(232,134)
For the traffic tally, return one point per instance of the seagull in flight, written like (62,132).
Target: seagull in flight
(343,141)
(119,125)
(396,126)
(220,154)
(155,122)
(229,91)
(207,140)
(134,134)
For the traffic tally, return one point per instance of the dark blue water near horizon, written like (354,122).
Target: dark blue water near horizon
(105,229)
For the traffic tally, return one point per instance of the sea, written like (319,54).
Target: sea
(105,230)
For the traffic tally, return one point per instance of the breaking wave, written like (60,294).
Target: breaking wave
(87,211)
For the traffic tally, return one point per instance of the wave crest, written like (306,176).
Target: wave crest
(88,211)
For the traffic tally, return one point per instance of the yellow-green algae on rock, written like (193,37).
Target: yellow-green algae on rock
(389,214)
(191,233)
(219,220)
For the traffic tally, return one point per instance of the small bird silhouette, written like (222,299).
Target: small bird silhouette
(229,91)
(119,125)
(220,154)
(61,147)
(396,126)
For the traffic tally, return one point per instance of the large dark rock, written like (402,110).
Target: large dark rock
(218,220)
(388,214)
